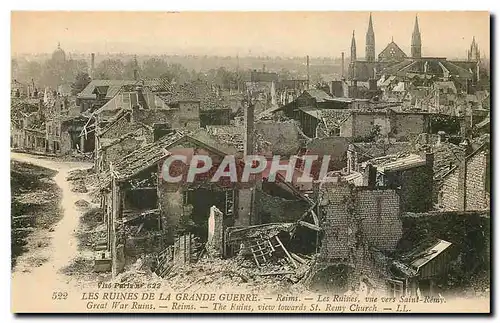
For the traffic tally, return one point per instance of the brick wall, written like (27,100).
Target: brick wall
(338,236)
(353,217)
(381,223)
(363,124)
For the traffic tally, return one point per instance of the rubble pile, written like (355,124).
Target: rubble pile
(236,274)
(78,174)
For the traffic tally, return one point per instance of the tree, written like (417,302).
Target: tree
(110,69)
(154,68)
(130,67)
(81,81)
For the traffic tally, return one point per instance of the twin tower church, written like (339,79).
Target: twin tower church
(393,56)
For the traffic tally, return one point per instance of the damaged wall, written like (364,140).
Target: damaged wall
(115,153)
(171,205)
(284,137)
(359,225)
(274,209)
(468,185)
(351,217)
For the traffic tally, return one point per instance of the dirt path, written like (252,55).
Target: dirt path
(63,245)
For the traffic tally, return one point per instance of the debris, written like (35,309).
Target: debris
(82,204)
(296,257)
(276,273)
(78,186)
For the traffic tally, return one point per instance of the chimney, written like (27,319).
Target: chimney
(343,75)
(352,159)
(372,84)
(424,139)
(429,157)
(263,67)
(92,65)
(136,74)
(441,138)
(370,176)
(248,144)
(307,62)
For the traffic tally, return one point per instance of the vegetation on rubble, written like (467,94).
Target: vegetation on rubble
(34,204)
(470,236)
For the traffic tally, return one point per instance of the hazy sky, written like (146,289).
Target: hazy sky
(444,33)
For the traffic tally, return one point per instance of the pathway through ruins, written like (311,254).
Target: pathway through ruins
(36,284)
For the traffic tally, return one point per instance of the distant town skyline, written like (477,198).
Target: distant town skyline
(317,34)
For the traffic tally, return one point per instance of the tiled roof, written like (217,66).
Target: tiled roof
(397,162)
(20,108)
(112,87)
(319,95)
(112,142)
(427,66)
(231,135)
(194,91)
(141,159)
(446,156)
(374,150)
(334,118)
(150,154)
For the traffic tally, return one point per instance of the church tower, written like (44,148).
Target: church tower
(352,65)
(353,48)
(416,41)
(473,54)
(370,42)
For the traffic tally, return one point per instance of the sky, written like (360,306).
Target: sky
(322,34)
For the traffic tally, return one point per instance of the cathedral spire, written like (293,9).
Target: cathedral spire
(370,42)
(353,48)
(416,41)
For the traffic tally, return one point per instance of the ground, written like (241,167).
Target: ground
(59,245)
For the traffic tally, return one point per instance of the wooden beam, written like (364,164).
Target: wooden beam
(286,252)
(315,218)
(310,225)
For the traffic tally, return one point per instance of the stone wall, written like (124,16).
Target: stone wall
(477,196)
(406,125)
(448,195)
